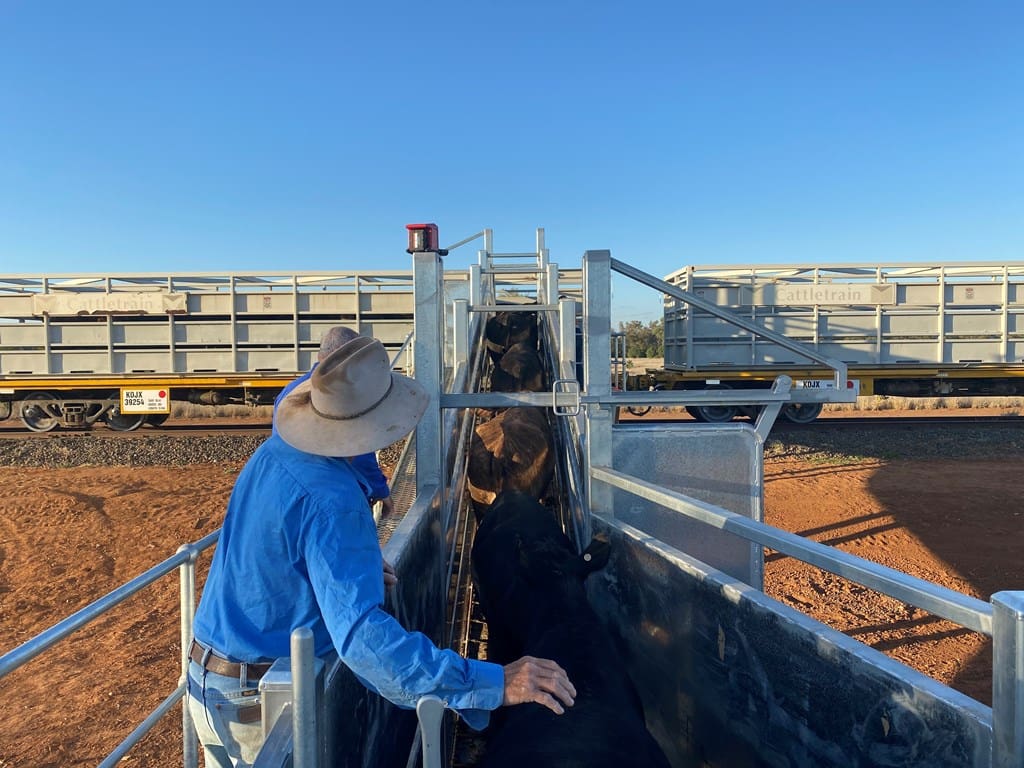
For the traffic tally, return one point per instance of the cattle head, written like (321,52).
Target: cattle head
(504,329)
(518,370)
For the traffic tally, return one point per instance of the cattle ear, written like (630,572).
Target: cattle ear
(595,556)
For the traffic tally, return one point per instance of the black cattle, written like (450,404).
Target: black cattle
(530,585)
(511,451)
(518,370)
(504,329)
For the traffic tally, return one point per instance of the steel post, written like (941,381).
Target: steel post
(304,698)
(187,582)
(429,329)
(460,332)
(597,321)
(1008,680)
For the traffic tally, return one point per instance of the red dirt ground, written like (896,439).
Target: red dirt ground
(70,536)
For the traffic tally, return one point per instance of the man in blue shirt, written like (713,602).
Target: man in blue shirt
(365,464)
(299,549)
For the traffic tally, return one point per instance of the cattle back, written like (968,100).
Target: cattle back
(530,586)
(512,451)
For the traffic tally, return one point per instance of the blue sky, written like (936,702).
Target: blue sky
(263,136)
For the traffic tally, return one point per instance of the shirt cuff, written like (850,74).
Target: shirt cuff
(487,695)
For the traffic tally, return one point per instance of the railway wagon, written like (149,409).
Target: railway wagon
(907,329)
(118,349)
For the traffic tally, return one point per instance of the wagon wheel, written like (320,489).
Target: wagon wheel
(801,413)
(41,417)
(639,410)
(157,419)
(123,422)
(714,414)
(643,410)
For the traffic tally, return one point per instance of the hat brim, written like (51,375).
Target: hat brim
(391,420)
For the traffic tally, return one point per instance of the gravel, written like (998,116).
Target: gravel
(83,450)
(820,442)
(816,442)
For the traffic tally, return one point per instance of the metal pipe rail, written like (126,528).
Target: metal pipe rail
(1002,619)
(966,611)
(569,399)
(838,367)
(184,560)
(28,650)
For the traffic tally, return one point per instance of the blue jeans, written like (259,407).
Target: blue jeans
(226,713)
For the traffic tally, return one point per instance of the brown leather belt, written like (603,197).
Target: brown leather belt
(221,666)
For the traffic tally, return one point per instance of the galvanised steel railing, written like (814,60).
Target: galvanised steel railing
(185,562)
(1002,620)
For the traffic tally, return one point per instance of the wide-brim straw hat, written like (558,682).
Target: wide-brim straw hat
(352,403)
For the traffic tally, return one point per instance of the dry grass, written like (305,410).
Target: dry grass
(885,403)
(1009,405)
(194,411)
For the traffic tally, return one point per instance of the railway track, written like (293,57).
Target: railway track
(13,428)
(882,419)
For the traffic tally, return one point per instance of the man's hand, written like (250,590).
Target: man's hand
(387,506)
(390,579)
(538,680)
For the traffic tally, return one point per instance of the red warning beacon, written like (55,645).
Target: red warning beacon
(422,237)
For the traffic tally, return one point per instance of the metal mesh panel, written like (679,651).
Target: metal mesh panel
(403,491)
(718,464)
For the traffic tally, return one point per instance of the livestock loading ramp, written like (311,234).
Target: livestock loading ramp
(728,676)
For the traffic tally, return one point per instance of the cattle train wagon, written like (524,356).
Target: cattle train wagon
(119,349)
(908,330)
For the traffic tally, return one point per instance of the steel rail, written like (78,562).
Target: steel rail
(966,611)
(44,640)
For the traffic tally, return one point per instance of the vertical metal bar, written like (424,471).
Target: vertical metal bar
(47,351)
(489,240)
(551,295)
(171,327)
(880,314)
(1008,680)
(234,325)
(941,354)
(475,288)
(427,346)
(567,338)
(295,323)
(358,285)
(689,319)
(597,321)
(187,589)
(304,725)
(460,331)
(430,712)
(1004,331)
(110,336)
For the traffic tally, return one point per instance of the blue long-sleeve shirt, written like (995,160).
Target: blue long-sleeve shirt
(299,549)
(366,464)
